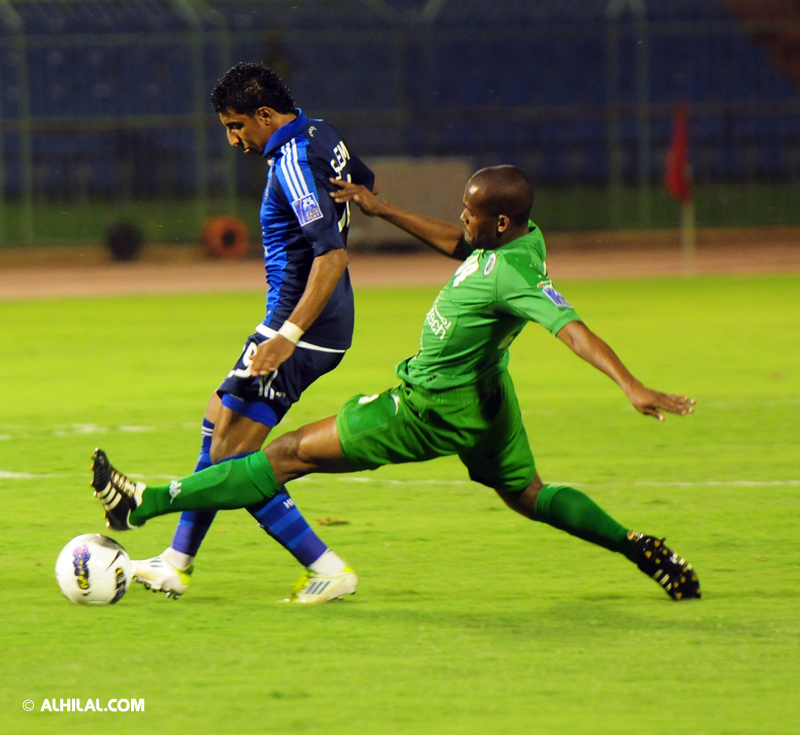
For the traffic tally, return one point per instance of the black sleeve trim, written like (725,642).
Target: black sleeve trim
(463,250)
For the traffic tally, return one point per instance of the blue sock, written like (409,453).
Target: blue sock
(193,525)
(281,519)
(204,458)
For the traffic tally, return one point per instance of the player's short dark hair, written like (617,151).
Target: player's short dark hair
(248,86)
(505,190)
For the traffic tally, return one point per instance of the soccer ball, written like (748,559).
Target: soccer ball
(93,570)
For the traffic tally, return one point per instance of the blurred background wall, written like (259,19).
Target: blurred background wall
(104,110)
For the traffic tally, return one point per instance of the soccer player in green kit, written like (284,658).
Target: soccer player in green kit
(455,395)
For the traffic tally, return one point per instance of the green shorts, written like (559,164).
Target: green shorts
(481,423)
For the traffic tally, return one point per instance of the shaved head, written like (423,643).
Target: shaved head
(502,190)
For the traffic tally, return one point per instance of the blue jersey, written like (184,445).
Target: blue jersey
(300,222)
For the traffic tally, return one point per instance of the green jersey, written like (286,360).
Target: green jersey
(477,315)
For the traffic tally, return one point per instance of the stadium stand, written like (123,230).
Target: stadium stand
(546,85)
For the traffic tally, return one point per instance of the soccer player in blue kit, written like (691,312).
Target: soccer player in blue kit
(307,327)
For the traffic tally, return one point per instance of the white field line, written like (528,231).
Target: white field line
(705,483)
(4,475)
(29,476)
(720,483)
(23,476)
(87,429)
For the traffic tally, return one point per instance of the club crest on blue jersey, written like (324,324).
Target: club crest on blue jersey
(553,295)
(307,209)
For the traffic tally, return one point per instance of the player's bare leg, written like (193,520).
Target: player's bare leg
(235,435)
(311,448)
(523,503)
(572,511)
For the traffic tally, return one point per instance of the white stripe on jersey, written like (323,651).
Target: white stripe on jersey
(296,159)
(291,170)
(267,332)
(294,196)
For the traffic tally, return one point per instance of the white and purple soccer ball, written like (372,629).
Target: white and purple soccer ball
(93,569)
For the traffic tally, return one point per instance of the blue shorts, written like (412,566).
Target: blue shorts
(267,398)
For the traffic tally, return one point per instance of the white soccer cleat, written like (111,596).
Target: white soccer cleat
(313,587)
(158,575)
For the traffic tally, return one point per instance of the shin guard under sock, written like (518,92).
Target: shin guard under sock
(569,510)
(193,525)
(282,520)
(238,483)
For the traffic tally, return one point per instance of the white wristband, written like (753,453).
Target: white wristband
(291,331)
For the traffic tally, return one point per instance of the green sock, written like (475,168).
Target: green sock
(569,510)
(237,483)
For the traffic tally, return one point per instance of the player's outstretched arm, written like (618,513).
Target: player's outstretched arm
(326,270)
(442,236)
(588,346)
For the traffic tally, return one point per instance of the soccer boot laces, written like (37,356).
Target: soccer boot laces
(158,575)
(671,571)
(119,494)
(313,587)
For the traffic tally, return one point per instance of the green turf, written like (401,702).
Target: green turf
(468,619)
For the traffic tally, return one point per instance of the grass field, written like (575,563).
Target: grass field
(468,619)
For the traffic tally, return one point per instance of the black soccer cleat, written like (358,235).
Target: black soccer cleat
(119,494)
(671,571)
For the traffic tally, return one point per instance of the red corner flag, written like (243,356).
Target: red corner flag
(677,176)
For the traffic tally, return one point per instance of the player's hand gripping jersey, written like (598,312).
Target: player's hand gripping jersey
(300,222)
(477,315)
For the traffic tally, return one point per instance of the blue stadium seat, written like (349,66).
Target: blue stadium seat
(550,60)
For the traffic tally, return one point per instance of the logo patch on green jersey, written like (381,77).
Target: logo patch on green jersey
(438,324)
(553,295)
(490,261)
